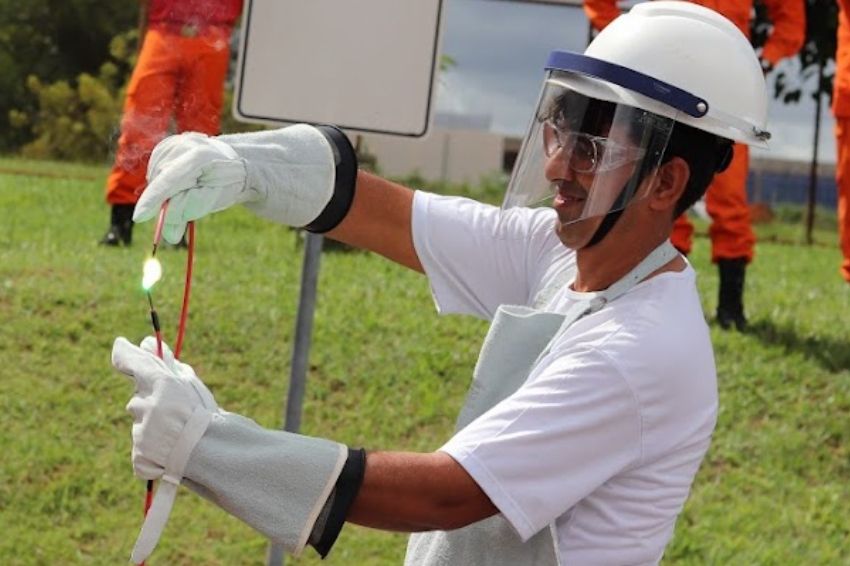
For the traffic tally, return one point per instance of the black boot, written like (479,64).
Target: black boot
(120,226)
(730,305)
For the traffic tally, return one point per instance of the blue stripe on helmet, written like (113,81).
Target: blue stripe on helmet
(630,79)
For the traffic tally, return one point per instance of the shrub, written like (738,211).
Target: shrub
(78,120)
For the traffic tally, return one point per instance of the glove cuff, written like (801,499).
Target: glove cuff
(277,482)
(345,181)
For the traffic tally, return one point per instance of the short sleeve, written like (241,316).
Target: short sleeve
(473,262)
(570,428)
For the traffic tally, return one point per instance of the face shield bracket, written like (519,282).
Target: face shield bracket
(630,79)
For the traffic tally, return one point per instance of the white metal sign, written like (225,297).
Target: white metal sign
(367,65)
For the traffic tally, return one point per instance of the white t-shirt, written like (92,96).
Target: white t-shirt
(604,438)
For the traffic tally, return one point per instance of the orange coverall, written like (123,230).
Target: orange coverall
(841,109)
(726,200)
(179,75)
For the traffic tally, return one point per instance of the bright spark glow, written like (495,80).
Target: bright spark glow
(152,272)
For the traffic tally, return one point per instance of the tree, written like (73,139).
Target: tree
(817,51)
(53,40)
(75,119)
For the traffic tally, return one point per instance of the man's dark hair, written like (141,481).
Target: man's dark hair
(578,113)
(704,152)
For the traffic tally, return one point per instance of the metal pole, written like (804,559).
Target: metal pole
(301,351)
(813,171)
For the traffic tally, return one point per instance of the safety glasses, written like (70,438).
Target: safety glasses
(616,148)
(586,153)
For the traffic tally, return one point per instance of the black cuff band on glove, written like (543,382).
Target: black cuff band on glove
(345,180)
(336,508)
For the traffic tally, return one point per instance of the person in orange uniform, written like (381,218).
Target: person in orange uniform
(732,237)
(841,109)
(179,76)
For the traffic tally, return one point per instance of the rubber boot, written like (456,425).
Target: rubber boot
(730,304)
(120,226)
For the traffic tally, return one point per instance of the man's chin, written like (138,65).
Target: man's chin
(575,234)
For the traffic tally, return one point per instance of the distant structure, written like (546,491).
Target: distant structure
(460,149)
(775,181)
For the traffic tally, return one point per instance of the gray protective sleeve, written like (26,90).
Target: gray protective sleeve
(275,481)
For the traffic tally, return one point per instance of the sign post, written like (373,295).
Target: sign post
(367,66)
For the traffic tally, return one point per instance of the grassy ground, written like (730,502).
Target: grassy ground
(385,373)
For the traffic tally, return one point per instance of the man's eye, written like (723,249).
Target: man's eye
(585,147)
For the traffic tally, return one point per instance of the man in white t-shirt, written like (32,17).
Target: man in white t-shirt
(594,397)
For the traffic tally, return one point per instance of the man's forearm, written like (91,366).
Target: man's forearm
(380,220)
(410,492)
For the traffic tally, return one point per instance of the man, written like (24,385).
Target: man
(841,110)
(731,233)
(179,75)
(594,397)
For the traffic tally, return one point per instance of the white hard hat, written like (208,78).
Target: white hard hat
(612,110)
(702,70)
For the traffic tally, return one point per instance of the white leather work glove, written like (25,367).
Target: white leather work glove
(300,175)
(167,395)
(171,410)
(275,481)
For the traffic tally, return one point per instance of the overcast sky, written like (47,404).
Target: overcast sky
(500,48)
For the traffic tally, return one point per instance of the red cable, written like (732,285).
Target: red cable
(148,499)
(184,314)
(160,221)
(158,335)
(157,236)
(187,288)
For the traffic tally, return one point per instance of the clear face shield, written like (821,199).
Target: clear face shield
(584,156)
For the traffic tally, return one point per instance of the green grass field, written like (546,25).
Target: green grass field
(385,372)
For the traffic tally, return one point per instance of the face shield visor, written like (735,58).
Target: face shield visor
(591,149)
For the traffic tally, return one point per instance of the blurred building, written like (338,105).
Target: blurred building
(459,148)
(776,182)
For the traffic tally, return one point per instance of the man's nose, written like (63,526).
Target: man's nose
(557,167)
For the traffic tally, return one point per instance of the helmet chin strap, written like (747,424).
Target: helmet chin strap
(627,193)
(607,223)
(612,215)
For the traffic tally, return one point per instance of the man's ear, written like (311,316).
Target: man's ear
(670,183)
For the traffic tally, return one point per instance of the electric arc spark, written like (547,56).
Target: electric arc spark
(151,273)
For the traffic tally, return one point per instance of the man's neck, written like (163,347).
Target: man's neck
(605,263)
